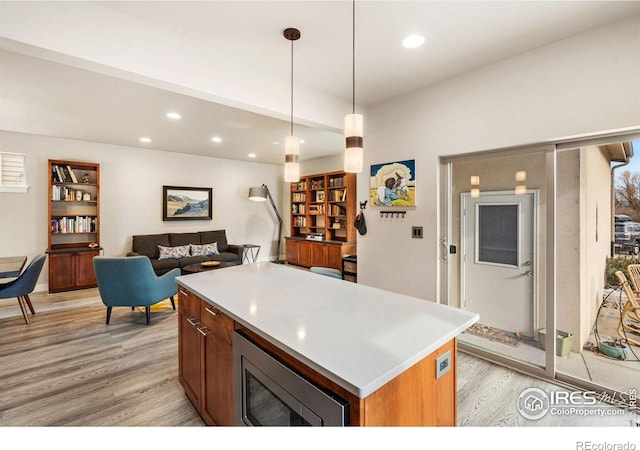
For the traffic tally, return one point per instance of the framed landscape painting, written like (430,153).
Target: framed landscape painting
(187,203)
(393,183)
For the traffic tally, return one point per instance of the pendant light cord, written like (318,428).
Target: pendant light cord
(292,88)
(353,57)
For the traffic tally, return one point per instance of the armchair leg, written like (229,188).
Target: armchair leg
(147,312)
(24,310)
(28,300)
(173,303)
(108,314)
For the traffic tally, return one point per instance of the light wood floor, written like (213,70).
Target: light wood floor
(67,368)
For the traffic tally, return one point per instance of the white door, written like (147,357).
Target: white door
(498,266)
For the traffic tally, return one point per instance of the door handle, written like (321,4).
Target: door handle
(528,273)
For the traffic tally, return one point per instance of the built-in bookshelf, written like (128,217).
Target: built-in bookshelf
(322,212)
(73,224)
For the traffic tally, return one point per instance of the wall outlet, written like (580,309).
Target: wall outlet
(416,232)
(443,364)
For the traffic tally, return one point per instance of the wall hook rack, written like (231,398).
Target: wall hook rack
(363,205)
(392,214)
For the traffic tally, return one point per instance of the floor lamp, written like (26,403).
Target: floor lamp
(261,194)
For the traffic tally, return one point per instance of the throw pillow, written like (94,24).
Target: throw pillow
(204,249)
(178,252)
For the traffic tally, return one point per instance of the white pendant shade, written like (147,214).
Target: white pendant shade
(353,160)
(353,125)
(291,162)
(353,153)
(292,146)
(291,172)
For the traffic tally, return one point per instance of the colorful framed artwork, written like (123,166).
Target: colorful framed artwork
(187,203)
(393,184)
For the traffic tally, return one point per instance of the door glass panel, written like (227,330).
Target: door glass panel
(498,234)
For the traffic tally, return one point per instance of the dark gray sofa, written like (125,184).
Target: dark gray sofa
(147,244)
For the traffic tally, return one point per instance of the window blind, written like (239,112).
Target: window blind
(12,169)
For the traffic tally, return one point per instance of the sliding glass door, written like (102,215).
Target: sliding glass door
(529,242)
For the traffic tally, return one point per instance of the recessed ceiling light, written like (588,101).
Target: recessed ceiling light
(413,41)
(216,139)
(174,115)
(146,140)
(302,141)
(251,155)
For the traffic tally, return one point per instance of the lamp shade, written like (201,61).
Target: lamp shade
(353,133)
(291,161)
(258,194)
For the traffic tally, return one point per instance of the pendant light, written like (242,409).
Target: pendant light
(292,143)
(353,123)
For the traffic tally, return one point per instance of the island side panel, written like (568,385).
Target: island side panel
(416,397)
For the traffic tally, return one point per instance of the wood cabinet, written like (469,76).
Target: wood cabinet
(71,270)
(306,253)
(189,345)
(217,400)
(73,224)
(205,358)
(323,206)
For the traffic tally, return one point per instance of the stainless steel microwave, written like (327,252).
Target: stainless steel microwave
(268,393)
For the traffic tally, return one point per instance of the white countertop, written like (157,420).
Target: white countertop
(357,336)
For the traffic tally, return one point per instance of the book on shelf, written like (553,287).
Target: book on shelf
(54,175)
(298,197)
(77,224)
(66,175)
(339,195)
(298,186)
(62,174)
(73,175)
(336,182)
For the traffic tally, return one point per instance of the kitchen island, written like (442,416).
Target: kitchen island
(376,349)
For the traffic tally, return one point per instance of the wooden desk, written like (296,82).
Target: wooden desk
(11,266)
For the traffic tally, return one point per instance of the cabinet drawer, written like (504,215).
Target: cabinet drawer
(218,322)
(188,303)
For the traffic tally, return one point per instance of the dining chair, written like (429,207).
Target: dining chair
(24,285)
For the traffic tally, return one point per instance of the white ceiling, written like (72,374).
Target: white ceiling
(51,98)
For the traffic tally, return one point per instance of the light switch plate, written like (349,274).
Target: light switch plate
(443,364)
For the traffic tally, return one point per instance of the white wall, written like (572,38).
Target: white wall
(131,195)
(584,84)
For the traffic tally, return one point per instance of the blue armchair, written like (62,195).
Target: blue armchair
(131,281)
(22,286)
